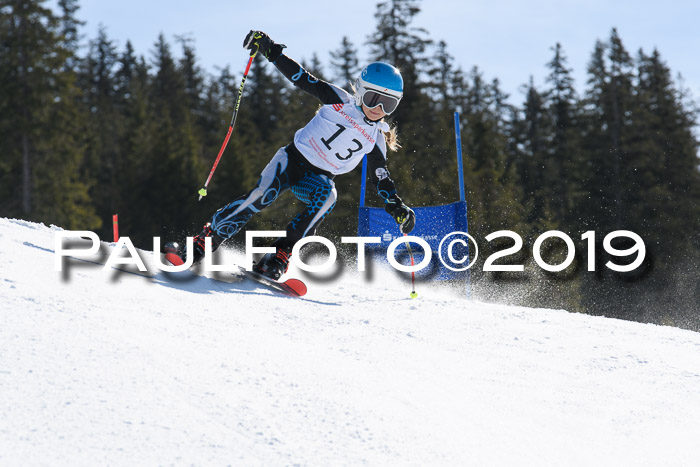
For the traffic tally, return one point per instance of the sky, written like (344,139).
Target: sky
(507,39)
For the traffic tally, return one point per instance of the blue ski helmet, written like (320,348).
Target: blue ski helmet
(379,84)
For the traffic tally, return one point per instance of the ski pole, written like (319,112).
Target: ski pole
(413,273)
(203,190)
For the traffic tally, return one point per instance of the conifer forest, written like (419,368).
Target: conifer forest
(89,129)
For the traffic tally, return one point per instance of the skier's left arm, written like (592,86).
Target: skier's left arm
(394,205)
(325,92)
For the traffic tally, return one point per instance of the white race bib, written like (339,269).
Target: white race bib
(339,136)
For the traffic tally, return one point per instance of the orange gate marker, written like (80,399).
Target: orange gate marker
(115,227)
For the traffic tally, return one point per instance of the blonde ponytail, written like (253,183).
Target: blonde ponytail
(392,138)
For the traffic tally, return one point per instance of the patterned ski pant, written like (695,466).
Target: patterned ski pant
(316,191)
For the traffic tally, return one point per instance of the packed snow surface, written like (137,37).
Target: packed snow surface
(105,367)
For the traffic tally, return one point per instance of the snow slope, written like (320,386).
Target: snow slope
(105,367)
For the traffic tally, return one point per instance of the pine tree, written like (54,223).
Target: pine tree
(398,42)
(535,165)
(443,103)
(345,64)
(635,126)
(619,100)
(173,162)
(666,203)
(607,108)
(442,74)
(595,202)
(136,143)
(69,27)
(670,149)
(193,76)
(103,132)
(264,98)
(563,113)
(494,197)
(40,94)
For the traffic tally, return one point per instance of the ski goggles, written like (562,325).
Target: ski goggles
(372,99)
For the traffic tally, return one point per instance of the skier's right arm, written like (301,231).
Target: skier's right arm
(321,90)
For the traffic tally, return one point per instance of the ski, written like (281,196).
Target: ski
(289,287)
(174,259)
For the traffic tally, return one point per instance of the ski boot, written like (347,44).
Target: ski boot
(197,245)
(274,265)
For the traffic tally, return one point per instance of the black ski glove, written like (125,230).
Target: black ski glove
(401,213)
(262,42)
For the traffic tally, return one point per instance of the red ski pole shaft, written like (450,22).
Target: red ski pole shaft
(203,190)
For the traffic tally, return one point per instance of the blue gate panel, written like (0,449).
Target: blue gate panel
(433,223)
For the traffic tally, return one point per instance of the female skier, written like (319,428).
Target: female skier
(334,142)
